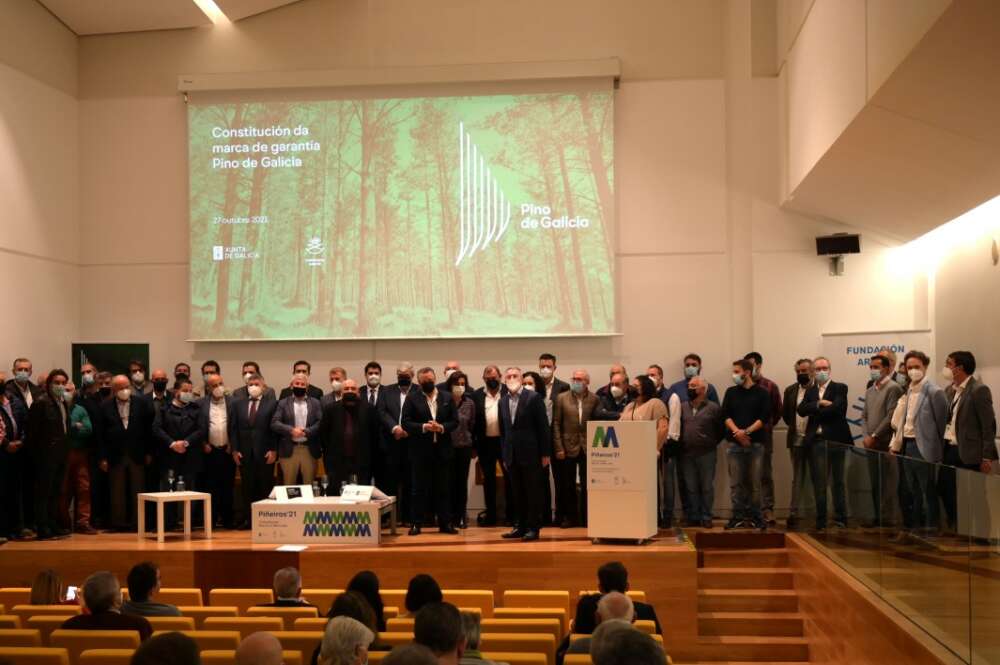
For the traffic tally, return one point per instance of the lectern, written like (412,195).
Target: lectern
(621,480)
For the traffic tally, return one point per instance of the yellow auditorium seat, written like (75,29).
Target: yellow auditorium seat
(394,597)
(15,595)
(464,598)
(577,659)
(105,657)
(516,658)
(171,623)
(199,614)
(395,638)
(34,655)
(302,641)
(390,611)
(241,598)
(516,598)
(78,641)
(180,596)
(10,621)
(245,625)
(210,639)
(308,623)
(636,596)
(575,636)
(45,625)
(228,657)
(26,611)
(20,637)
(288,615)
(399,625)
(532,613)
(520,643)
(550,626)
(646,626)
(322,598)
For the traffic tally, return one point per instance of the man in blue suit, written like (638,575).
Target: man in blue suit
(526,445)
(254,445)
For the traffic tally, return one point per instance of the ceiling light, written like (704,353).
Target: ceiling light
(212,11)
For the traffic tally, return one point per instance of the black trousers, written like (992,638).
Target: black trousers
(49,472)
(547,472)
(257,478)
(430,474)
(947,483)
(395,480)
(526,490)
(12,484)
(126,479)
(340,469)
(489,455)
(567,505)
(218,479)
(460,482)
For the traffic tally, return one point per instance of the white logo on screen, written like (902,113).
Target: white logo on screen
(218,253)
(315,250)
(484,211)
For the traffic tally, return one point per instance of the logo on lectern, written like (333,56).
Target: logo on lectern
(605,438)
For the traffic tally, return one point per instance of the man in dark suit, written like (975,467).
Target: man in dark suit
(429,418)
(487,441)
(287,589)
(21,387)
(345,436)
(296,421)
(527,449)
(126,448)
(255,446)
(14,416)
(370,394)
(47,444)
(304,369)
(825,405)
(251,368)
(802,458)
(396,481)
(970,438)
(612,576)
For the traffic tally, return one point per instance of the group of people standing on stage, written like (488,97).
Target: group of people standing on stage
(94,447)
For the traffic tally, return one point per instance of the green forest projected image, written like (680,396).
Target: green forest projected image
(475,216)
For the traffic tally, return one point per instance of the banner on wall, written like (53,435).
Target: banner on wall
(108,357)
(849,354)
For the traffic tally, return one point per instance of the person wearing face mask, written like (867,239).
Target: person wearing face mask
(250,369)
(76,482)
(208,368)
(369,393)
(527,450)
(345,437)
(396,474)
(701,434)
(881,398)
(801,457)
(920,421)
(20,386)
(647,406)
(617,397)
(605,390)
(218,474)
(533,381)
(827,437)
(745,408)
(92,395)
(182,371)
(571,412)
(462,440)
(767,470)
(553,386)
(254,445)
(47,443)
(304,369)
(450,368)
(692,368)
(126,449)
(430,418)
(160,395)
(13,479)
(487,435)
(296,422)
(137,375)
(337,377)
(179,436)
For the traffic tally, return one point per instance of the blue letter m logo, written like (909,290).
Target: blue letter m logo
(605,438)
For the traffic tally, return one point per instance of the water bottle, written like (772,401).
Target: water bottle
(180,483)
(316,490)
(170,480)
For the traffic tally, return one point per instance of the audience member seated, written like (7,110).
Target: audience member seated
(287,589)
(612,576)
(471,627)
(611,606)
(143,583)
(102,602)
(620,643)
(345,642)
(167,649)
(366,583)
(410,654)
(352,604)
(259,649)
(438,626)
(47,589)
(423,589)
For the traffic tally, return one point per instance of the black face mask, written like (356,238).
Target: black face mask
(350,399)
(632,392)
(492,384)
(159,385)
(404,381)
(803,379)
(181,377)
(692,393)
(427,387)
(104,392)
(299,392)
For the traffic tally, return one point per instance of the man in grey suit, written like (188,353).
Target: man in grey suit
(571,410)
(296,422)
(876,425)
(970,435)
(919,421)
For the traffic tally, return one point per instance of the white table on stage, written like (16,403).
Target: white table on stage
(162,498)
(322,520)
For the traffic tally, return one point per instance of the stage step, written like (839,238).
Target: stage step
(754,649)
(746,578)
(741,540)
(741,558)
(747,600)
(762,624)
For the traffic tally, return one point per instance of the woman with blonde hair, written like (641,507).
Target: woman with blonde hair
(47,588)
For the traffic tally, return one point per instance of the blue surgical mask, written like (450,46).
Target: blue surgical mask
(822,376)
(87,378)
(900,378)
(22,376)
(576,387)
(186,397)
(876,375)
(58,391)
(690,371)
(737,379)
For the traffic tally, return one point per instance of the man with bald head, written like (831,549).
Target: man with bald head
(346,438)
(613,606)
(259,649)
(617,368)
(125,448)
(701,433)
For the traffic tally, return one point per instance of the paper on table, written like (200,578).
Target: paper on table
(291,548)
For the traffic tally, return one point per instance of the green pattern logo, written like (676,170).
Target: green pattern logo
(336,524)
(605,438)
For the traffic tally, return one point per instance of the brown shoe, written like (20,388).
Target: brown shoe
(87,530)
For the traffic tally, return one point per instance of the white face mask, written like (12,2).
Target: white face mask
(138,377)
(124,394)
(336,385)
(187,397)
(528,386)
(458,391)
(246,377)
(617,392)
(449,372)
(947,374)
(374,380)
(513,385)
(68,396)
(915,374)
(255,391)
(218,392)
(546,372)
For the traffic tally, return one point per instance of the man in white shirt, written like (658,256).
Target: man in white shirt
(296,421)
(21,387)
(487,440)
(876,425)
(219,475)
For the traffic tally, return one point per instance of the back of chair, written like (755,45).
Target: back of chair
(400,625)
(20,637)
(636,596)
(481,598)
(577,659)
(288,615)
(172,623)
(395,638)
(304,641)
(516,658)
(179,596)
(549,626)
(46,624)
(646,626)
(25,611)
(105,657)
(34,655)
(15,595)
(241,598)
(520,643)
(391,611)
(514,598)
(78,641)
(211,639)
(393,597)
(307,623)
(244,625)
(321,598)
(10,621)
(228,657)
(199,614)
(532,613)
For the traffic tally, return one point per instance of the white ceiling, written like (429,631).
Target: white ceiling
(98,17)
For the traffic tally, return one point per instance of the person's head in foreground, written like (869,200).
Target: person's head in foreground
(47,588)
(422,589)
(612,576)
(438,626)
(472,629)
(259,649)
(345,642)
(287,584)
(617,642)
(353,604)
(102,593)
(410,654)
(167,649)
(143,581)
(615,605)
